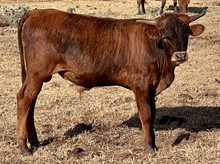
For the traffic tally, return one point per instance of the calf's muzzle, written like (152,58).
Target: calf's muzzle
(179,57)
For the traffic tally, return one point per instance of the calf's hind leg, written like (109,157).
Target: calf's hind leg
(26,99)
(32,134)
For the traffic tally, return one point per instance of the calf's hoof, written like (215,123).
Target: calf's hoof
(141,13)
(25,151)
(151,149)
(34,145)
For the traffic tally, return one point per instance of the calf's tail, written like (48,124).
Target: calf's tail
(20,45)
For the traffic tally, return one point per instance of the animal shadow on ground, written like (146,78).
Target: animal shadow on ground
(78,129)
(191,9)
(193,119)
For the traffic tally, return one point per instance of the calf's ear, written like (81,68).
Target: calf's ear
(197,29)
(153,33)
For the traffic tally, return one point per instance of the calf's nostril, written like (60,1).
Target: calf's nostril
(183,55)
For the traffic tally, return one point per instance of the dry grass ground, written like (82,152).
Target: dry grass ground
(109,114)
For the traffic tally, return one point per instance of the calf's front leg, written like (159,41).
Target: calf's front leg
(146,110)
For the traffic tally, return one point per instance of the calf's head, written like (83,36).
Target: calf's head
(172,32)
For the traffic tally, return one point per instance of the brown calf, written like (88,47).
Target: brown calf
(140,55)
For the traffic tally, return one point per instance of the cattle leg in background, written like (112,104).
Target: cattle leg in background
(163,3)
(141,9)
(175,6)
(183,5)
(138,54)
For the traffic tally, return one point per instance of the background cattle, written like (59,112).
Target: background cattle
(140,55)
(183,5)
(141,9)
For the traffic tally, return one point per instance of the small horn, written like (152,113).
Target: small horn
(147,21)
(195,17)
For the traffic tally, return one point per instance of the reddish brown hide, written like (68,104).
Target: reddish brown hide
(140,55)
